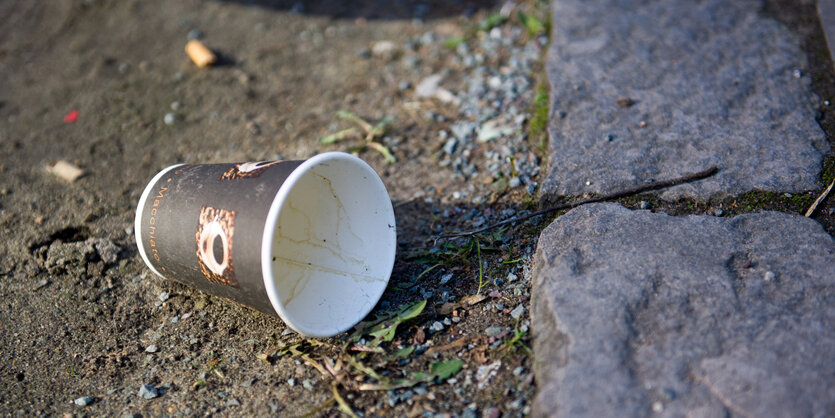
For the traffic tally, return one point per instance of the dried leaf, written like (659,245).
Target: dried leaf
(455,344)
(419,337)
(367,349)
(448,307)
(472,299)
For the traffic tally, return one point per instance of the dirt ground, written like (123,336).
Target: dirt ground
(81,316)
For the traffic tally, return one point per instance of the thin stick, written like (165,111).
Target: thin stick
(628,192)
(820,199)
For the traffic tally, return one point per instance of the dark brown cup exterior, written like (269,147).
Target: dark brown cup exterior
(202,225)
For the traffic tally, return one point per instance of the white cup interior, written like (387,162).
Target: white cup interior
(329,244)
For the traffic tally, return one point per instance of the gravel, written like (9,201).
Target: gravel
(446,278)
(493,331)
(147,392)
(486,372)
(429,86)
(83,401)
(517,312)
(384,49)
(492,412)
(491,111)
(169,118)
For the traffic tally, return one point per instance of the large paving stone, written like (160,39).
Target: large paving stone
(714,82)
(636,312)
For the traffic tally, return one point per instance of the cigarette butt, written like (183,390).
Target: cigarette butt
(198,53)
(65,170)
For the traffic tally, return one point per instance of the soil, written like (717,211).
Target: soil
(79,308)
(81,315)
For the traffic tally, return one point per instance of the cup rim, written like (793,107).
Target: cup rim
(271,223)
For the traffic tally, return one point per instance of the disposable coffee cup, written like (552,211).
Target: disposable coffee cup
(311,242)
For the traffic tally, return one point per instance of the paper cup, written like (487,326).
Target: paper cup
(312,242)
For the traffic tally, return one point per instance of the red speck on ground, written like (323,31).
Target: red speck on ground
(71,117)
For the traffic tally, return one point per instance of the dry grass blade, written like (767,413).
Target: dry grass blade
(382,149)
(338,136)
(319,408)
(364,369)
(343,405)
(316,365)
(346,115)
(333,369)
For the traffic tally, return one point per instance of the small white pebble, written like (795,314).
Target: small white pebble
(169,118)
(769,276)
(657,407)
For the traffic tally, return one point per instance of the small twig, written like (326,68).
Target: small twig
(570,205)
(820,199)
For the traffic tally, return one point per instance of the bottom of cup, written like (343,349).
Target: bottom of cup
(329,244)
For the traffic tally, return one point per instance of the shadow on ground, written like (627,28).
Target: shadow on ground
(376,9)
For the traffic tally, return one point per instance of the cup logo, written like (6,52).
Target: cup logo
(215,230)
(247,170)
